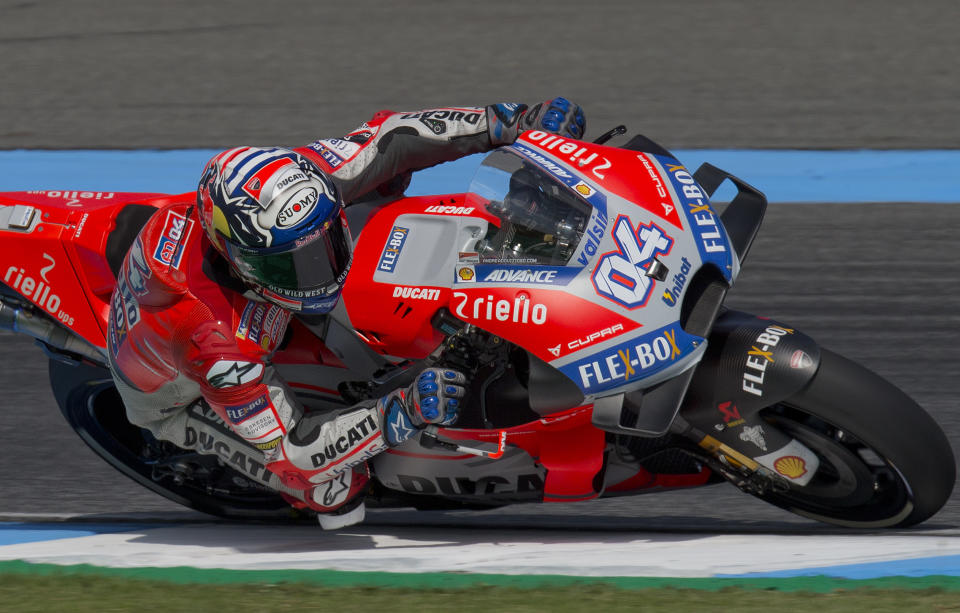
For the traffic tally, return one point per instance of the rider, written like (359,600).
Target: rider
(198,312)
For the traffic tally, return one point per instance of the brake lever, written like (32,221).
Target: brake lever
(621,129)
(430,438)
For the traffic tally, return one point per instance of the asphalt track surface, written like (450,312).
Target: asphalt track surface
(875,282)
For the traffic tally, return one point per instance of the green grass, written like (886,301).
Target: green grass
(28,588)
(92,593)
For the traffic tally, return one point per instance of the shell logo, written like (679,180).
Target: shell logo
(790,466)
(465,274)
(584,189)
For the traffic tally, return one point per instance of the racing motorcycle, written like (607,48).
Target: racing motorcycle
(580,287)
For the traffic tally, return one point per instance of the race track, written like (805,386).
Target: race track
(873,281)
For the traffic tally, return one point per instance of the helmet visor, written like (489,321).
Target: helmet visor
(313,265)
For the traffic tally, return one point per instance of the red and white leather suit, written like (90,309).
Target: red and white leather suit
(183,329)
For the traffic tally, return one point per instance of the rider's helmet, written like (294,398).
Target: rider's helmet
(278,220)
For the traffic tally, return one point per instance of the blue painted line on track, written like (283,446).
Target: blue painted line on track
(784,175)
(916,567)
(17,532)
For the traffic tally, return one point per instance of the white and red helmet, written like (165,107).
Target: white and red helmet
(279,222)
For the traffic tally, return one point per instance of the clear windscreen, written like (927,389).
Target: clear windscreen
(541,220)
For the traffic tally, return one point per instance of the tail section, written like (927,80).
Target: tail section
(57,261)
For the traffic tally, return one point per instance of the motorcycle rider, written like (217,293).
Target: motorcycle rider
(198,312)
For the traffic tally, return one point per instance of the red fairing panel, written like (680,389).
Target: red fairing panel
(548,322)
(570,449)
(71,235)
(59,264)
(394,318)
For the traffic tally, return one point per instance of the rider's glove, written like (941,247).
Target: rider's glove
(433,398)
(558,116)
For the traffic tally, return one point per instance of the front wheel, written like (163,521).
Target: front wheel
(884,462)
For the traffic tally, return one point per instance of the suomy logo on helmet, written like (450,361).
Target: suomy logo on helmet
(297,207)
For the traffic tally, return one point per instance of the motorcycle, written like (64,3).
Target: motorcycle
(580,287)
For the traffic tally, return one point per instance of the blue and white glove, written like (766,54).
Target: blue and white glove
(558,116)
(434,398)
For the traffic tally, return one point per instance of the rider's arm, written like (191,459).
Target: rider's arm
(383,151)
(392,144)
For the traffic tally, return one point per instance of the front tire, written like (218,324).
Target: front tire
(884,461)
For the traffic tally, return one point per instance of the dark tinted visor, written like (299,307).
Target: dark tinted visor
(310,264)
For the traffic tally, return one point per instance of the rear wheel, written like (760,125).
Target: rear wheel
(884,462)
(93,408)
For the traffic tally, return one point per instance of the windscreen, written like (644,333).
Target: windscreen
(541,220)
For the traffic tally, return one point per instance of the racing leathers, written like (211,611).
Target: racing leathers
(190,349)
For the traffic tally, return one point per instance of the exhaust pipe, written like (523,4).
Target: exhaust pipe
(17,319)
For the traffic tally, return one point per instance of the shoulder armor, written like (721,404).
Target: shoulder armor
(154,265)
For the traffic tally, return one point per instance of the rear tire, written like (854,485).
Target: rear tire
(93,408)
(884,461)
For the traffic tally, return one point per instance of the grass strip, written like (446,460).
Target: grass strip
(94,592)
(350,579)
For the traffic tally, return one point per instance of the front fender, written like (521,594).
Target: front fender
(751,363)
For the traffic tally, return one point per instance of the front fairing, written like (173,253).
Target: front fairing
(607,311)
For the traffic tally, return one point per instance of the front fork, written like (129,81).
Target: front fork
(751,363)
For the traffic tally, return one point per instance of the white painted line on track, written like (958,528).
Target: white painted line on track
(422,550)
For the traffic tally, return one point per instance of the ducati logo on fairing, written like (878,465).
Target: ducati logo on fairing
(449,210)
(464,486)
(416,293)
(799,359)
